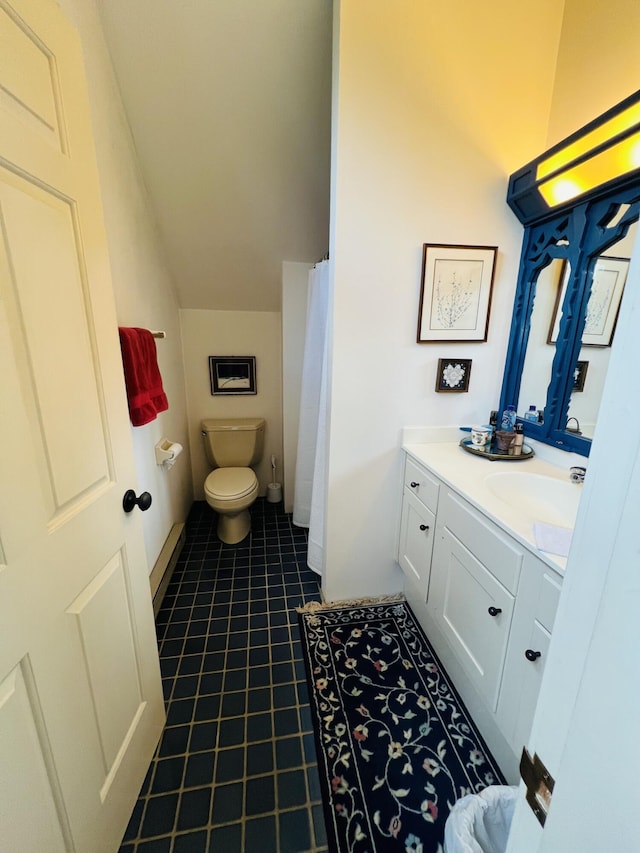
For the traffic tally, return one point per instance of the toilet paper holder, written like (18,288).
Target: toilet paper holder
(166,452)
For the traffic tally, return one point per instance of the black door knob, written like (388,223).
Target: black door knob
(494,611)
(129,501)
(531,655)
(414,485)
(424,527)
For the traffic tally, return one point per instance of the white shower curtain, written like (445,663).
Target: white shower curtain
(309,496)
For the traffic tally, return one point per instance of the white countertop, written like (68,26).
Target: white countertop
(466,473)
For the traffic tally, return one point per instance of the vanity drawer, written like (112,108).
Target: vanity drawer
(421,484)
(496,550)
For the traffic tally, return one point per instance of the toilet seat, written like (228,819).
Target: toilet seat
(230,484)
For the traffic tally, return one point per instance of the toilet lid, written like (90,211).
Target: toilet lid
(230,483)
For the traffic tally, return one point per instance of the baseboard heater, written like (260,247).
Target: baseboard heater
(165,564)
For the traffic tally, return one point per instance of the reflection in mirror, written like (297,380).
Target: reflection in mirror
(609,278)
(536,372)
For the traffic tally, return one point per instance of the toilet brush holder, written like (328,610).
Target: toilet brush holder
(274,493)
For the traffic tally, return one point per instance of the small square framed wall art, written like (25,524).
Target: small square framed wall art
(453,374)
(232,374)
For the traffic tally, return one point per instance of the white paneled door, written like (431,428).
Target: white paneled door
(80,696)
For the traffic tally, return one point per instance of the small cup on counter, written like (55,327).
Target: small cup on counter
(505,438)
(480,436)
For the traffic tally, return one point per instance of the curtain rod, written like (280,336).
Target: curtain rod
(159,334)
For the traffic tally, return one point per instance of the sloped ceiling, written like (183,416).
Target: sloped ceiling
(229,107)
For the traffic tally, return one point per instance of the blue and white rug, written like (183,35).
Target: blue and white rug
(396,747)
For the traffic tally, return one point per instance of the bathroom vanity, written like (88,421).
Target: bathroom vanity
(484,594)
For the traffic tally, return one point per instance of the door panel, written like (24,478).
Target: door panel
(81,705)
(28,78)
(59,376)
(104,627)
(25,774)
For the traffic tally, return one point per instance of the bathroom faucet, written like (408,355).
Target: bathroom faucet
(576,429)
(576,474)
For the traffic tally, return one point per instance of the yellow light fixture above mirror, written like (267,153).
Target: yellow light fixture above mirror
(603,154)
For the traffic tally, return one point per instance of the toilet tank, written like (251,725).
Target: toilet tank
(233,442)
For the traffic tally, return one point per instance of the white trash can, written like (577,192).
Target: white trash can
(480,823)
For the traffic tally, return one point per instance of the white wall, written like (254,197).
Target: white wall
(143,289)
(258,333)
(295,288)
(434,106)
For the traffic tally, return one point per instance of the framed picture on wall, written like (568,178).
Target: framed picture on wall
(609,279)
(453,374)
(232,374)
(455,293)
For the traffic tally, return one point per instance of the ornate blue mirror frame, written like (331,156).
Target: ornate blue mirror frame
(577,231)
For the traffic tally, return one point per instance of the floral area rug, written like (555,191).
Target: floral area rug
(396,747)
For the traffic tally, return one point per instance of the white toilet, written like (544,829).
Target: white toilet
(232,445)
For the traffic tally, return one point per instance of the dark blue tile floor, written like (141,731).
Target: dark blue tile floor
(235,769)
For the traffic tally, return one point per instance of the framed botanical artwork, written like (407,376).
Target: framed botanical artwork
(453,374)
(609,279)
(455,293)
(232,374)
(580,375)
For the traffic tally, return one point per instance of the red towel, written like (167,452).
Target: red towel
(145,393)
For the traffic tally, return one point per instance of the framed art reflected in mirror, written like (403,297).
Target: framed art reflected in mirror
(609,279)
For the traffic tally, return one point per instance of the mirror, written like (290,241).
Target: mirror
(609,280)
(572,274)
(536,371)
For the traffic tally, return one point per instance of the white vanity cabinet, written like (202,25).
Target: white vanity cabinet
(488,604)
(417,524)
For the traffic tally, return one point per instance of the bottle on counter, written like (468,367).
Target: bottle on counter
(531,415)
(508,421)
(518,441)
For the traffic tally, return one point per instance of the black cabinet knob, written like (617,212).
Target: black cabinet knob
(424,527)
(130,501)
(414,485)
(494,611)
(531,655)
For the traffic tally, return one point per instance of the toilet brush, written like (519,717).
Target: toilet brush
(274,490)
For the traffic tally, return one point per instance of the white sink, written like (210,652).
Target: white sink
(546,499)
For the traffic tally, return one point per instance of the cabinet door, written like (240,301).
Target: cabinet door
(533,618)
(523,689)
(417,528)
(474,612)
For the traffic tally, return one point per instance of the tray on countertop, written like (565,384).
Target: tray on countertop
(490,451)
